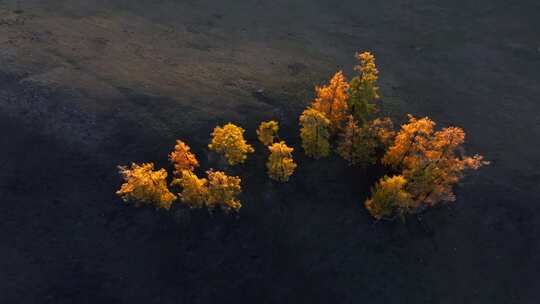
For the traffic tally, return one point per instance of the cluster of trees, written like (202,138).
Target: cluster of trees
(422,164)
(145,185)
(429,163)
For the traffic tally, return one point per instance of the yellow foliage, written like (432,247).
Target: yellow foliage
(182,158)
(267,132)
(222,191)
(194,190)
(363,88)
(144,185)
(389,196)
(332,99)
(315,133)
(229,140)
(280,162)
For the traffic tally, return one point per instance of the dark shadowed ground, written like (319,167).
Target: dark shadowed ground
(88,85)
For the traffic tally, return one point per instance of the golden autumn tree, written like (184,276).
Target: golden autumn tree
(182,158)
(410,142)
(223,191)
(363,89)
(430,161)
(267,132)
(194,189)
(145,185)
(433,173)
(229,141)
(389,197)
(280,162)
(315,133)
(332,100)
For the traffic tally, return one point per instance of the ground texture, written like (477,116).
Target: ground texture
(88,85)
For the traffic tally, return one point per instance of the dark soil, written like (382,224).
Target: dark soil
(88,85)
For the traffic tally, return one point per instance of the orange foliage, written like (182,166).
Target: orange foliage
(145,185)
(182,158)
(440,167)
(410,142)
(332,99)
(429,160)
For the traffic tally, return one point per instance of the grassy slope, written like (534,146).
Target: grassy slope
(87,86)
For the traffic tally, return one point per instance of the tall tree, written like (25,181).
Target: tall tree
(363,90)
(332,99)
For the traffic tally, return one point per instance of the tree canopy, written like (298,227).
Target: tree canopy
(229,141)
(182,158)
(332,99)
(145,185)
(315,133)
(280,163)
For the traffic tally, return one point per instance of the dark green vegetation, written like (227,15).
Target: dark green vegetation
(84,87)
